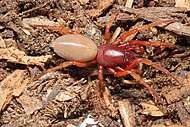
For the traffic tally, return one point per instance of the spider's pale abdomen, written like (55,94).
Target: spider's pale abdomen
(75,47)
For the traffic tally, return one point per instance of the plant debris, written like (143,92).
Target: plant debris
(70,97)
(14,55)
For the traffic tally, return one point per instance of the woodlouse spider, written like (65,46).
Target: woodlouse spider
(119,59)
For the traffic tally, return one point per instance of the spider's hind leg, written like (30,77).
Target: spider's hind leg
(65,64)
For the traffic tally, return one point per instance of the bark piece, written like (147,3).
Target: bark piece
(177,94)
(83,2)
(151,109)
(183,4)
(183,114)
(30,104)
(102,6)
(126,113)
(14,55)
(156,14)
(37,21)
(12,86)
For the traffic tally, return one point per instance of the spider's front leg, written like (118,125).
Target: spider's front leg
(149,62)
(128,33)
(146,43)
(107,31)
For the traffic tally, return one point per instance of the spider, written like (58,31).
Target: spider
(119,59)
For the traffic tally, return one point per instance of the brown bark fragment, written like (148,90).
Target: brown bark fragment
(12,86)
(30,104)
(156,14)
(177,94)
(183,114)
(126,113)
(102,5)
(14,55)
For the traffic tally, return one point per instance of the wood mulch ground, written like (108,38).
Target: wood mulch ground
(68,97)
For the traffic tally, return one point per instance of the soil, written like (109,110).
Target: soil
(66,97)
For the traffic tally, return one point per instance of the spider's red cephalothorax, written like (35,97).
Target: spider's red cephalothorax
(119,59)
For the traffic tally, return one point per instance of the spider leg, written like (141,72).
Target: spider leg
(133,70)
(107,31)
(136,71)
(62,30)
(102,92)
(100,76)
(148,62)
(146,43)
(137,77)
(141,50)
(140,29)
(65,64)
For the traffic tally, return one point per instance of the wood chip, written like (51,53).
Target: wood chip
(102,6)
(83,2)
(12,86)
(183,4)
(156,14)
(52,93)
(30,104)
(70,125)
(126,113)
(14,55)
(183,114)
(2,43)
(104,100)
(129,3)
(37,21)
(162,125)
(151,109)
(86,92)
(10,43)
(65,96)
(177,94)
(187,104)
(115,35)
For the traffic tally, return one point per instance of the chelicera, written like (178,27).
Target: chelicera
(119,59)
